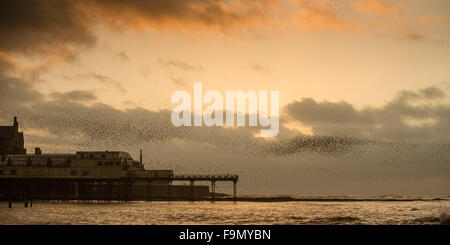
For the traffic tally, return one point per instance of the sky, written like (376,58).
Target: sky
(100,74)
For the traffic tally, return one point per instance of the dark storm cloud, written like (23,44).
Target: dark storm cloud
(42,26)
(411,115)
(60,26)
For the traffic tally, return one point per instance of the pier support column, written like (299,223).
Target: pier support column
(129,188)
(149,190)
(234,191)
(99,191)
(9,204)
(169,190)
(191,191)
(213,191)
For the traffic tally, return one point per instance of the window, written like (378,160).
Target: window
(117,163)
(91,156)
(73,172)
(104,156)
(99,163)
(13,172)
(1,171)
(85,173)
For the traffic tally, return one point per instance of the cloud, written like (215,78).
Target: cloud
(180,65)
(122,55)
(180,81)
(365,16)
(321,15)
(102,79)
(75,95)
(422,115)
(259,68)
(14,88)
(392,17)
(34,27)
(410,34)
(7,63)
(178,14)
(61,27)
(311,112)
(374,7)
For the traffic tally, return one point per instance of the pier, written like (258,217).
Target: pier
(101,189)
(86,176)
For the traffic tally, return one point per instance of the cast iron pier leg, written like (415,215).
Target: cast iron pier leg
(169,190)
(191,191)
(234,191)
(150,190)
(213,191)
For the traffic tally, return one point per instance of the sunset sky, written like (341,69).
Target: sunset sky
(84,73)
(137,54)
(357,55)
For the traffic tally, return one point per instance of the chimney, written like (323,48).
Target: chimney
(140,157)
(37,151)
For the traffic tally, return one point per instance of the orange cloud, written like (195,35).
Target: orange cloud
(374,7)
(391,17)
(321,15)
(182,14)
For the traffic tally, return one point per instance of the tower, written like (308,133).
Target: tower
(11,140)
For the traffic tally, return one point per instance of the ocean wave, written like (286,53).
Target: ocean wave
(335,220)
(298,198)
(444,219)
(430,220)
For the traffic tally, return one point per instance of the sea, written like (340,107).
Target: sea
(326,211)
